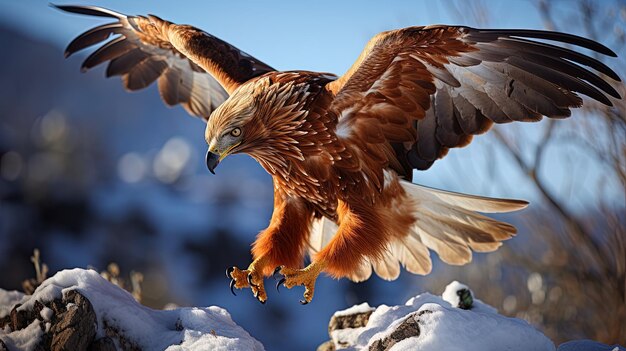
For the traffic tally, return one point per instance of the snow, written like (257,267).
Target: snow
(25,339)
(182,328)
(442,325)
(362,308)
(7,300)
(450,295)
(46,313)
(446,327)
(347,336)
(456,329)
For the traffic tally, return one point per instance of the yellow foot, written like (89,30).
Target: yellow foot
(251,277)
(306,277)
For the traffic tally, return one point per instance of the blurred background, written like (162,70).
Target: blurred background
(91,174)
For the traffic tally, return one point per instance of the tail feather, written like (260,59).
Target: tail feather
(413,254)
(387,266)
(322,231)
(363,273)
(481,233)
(447,223)
(466,201)
(444,239)
(469,219)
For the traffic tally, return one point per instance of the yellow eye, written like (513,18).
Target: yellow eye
(235,132)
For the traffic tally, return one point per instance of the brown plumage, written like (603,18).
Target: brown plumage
(342,150)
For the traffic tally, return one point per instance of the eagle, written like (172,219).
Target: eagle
(341,150)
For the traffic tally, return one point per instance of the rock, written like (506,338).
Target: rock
(72,325)
(456,320)
(458,295)
(407,329)
(79,310)
(71,328)
(5,321)
(356,320)
(75,329)
(327,346)
(20,319)
(344,325)
(103,344)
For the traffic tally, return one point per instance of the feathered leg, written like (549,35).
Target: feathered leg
(283,243)
(364,231)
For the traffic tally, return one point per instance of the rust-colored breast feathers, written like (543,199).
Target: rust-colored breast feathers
(294,137)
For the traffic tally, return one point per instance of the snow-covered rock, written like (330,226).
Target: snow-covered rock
(429,322)
(80,308)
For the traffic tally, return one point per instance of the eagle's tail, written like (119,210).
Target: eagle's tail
(452,225)
(448,223)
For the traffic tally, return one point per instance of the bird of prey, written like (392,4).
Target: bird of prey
(342,150)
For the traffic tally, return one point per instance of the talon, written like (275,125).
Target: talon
(250,281)
(232,286)
(305,277)
(276,271)
(262,302)
(229,271)
(282,280)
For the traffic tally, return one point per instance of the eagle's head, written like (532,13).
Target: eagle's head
(230,125)
(259,118)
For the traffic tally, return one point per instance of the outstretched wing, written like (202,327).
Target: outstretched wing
(418,91)
(193,68)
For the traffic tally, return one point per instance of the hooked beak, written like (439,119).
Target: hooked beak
(212,160)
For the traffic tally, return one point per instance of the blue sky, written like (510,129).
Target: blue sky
(313,35)
(328,36)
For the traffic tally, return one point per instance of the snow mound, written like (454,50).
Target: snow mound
(208,328)
(428,322)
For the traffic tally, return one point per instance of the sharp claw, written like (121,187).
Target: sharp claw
(229,271)
(282,280)
(232,286)
(276,271)
(303,302)
(250,280)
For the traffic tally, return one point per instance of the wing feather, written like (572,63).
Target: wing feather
(94,36)
(193,68)
(469,79)
(109,51)
(144,73)
(125,63)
